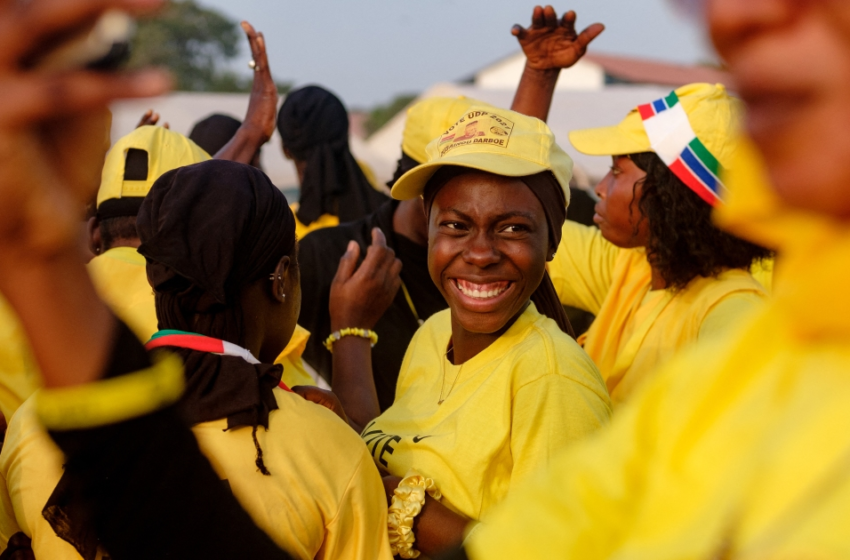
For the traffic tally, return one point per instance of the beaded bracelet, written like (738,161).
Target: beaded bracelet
(362,333)
(408,499)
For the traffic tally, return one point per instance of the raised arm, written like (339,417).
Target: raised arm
(258,126)
(549,45)
(359,297)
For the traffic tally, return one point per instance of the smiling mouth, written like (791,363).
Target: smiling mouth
(482,291)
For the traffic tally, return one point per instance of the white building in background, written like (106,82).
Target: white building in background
(598,91)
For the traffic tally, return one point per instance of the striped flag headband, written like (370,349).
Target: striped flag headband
(674,140)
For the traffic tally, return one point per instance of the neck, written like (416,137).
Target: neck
(466,344)
(133,242)
(409,221)
(658,282)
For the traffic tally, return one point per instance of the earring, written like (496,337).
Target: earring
(274,277)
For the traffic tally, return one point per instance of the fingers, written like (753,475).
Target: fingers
(589,34)
(28,25)
(166,126)
(347,263)
(550,18)
(537,18)
(45,97)
(519,31)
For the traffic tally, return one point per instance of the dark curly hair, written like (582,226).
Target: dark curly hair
(683,241)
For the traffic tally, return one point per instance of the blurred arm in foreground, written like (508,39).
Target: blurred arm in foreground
(52,142)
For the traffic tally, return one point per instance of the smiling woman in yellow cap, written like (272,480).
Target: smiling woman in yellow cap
(493,386)
(657,273)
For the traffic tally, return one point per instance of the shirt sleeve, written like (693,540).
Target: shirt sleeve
(728,313)
(359,530)
(31,467)
(582,270)
(548,414)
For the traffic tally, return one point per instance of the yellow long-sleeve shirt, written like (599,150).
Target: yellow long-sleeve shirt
(637,329)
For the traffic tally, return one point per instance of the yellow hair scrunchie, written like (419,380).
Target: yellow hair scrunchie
(408,499)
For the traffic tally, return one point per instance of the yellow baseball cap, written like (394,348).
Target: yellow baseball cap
(497,141)
(150,151)
(693,130)
(428,118)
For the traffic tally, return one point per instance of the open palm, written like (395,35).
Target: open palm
(550,43)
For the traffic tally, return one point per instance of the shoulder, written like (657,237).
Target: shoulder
(730,287)
(543,352)
(307,423)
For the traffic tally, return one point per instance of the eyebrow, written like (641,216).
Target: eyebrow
(499,218)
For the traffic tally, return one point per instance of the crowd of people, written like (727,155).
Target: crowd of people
(193,366)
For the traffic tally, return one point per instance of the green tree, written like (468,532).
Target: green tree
(195,43)
(380,115)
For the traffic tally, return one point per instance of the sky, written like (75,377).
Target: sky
(369,51)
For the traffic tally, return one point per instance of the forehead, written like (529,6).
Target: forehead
(482,195)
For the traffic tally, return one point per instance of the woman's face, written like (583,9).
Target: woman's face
(487,245)
(617,212)
(791,63)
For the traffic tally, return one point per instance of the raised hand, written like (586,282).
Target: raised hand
(360,296)
(150,118)
(551,43)
(262,106)
(54,126)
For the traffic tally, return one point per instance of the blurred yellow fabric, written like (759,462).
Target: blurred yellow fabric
(737,447)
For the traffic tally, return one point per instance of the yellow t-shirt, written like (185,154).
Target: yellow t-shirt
(636,330)
(294,372)
(744,457)
(325,220)
(19,376)
(311,506)
(120,279)
(506,411)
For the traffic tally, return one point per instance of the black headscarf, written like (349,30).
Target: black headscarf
(313,125)
(551,196)
(209,230)
(213,132)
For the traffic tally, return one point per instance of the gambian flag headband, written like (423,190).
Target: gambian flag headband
(676,143)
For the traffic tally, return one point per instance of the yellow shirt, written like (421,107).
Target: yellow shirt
(120,279)
(743,457)
(19,376)
(294,372)
(324,498)
(325,220)
(636,329)
(506,411)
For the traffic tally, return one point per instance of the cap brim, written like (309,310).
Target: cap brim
(412,184)
(610,141)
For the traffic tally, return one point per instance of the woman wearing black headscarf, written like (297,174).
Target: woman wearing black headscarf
(219,240)
(493,387)
(313,126)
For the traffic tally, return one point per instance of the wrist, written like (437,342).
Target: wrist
(544,75)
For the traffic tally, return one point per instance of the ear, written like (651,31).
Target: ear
(95,240)
(280,280)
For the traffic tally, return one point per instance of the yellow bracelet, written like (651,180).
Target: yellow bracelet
(362,333)
(408,499)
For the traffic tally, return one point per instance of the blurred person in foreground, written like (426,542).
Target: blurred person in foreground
(101,387)
(743,457)
(657,273)
(549,44)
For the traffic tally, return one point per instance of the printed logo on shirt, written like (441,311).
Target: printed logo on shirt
(477,127)
(381,444)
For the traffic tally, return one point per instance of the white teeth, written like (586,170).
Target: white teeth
(479,294)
